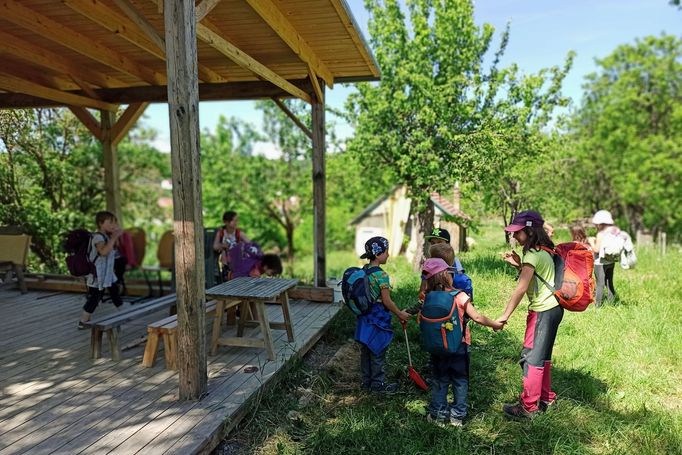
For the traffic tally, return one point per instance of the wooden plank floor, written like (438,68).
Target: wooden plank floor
(55,399)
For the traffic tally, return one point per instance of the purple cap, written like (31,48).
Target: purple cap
(529,218)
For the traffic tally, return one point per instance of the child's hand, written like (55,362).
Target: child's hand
(512,258)
(497,325)
(116,233)
(403,315)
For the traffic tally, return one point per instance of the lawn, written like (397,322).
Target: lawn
(617,371)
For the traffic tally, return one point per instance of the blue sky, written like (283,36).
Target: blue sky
(542,33)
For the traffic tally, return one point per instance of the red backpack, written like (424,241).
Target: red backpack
(573,268)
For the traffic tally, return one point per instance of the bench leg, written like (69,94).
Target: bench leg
(287,317)
(95,343)
(19,272)
(114,347)
(170,349)
(265,329)
(217,325)
(151,349)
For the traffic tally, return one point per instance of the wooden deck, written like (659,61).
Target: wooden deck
(54,399)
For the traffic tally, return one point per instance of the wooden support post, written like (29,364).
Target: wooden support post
(319,192)
(183,108)
(112,182)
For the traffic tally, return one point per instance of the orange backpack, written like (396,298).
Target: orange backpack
(574,282)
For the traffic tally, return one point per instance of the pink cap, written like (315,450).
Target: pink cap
(433,266)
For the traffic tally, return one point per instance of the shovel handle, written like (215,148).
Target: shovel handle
(407,343)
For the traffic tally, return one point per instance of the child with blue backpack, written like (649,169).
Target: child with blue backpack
(460,279)
(443,324)
(373,330)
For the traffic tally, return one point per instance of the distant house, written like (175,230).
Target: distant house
(390,216)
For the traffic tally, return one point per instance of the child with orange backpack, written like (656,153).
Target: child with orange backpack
(444,333)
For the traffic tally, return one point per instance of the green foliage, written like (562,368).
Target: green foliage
(440,113)
(622,148)
(616,371)
(52,179)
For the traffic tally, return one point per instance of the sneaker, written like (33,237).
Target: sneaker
(545,405)
(455,422)
(439,422)
(388,389)
(517,411)
(81,325)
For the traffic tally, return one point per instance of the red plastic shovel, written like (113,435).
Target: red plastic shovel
(412,373)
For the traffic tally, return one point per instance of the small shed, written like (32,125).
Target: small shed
(390,216)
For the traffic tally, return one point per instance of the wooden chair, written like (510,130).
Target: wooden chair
(13,254)
(164,254)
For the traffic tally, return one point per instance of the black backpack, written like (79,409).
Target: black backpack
(355,289)
(78,246)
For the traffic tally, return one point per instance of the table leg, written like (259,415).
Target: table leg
(219,309)
(265,328)
(287,317)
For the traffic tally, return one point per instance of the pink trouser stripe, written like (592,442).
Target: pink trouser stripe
(532,388)
(547,394)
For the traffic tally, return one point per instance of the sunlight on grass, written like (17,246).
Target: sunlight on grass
(617,370)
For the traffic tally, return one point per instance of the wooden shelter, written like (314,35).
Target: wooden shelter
(105,54)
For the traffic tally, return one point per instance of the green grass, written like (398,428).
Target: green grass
(617,371)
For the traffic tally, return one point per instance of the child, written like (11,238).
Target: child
(373,330)
(269,265)
(578,235)
(451,370)
(225,238)
(544,313)
(461,279)
(102,254)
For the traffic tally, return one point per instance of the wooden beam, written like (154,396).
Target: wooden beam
(89,120)
(133,27)
(112,181)
(14,84)
(278,22)
(183,108)
(246,90)
(205,7)
(36,55)
(244,60)
(126,121)
(352,28)
(12,11)
(294,118)
(90,91)
(319,94)
(142,22)
(15,68)
(319,195)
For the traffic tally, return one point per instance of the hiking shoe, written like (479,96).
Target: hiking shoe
(81,325)
(455,422)
(545,405)
(517,411)
(388,389)
(439,422)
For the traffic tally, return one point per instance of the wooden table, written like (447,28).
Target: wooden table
(250,294)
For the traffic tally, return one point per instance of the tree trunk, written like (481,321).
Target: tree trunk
(290,249)
(423,225)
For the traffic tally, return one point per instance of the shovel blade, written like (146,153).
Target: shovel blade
(417,379)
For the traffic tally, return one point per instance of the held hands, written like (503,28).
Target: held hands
(512,258)
(403,316)
(500,323)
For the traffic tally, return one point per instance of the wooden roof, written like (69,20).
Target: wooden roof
(102,53)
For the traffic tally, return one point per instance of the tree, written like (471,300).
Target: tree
(440,114)
(625,153)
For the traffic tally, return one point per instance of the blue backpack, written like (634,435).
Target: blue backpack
(439,322)
(462,281)
(355,289)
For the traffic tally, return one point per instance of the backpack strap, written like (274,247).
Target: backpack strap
(458,265)
(551,253)
(237,235)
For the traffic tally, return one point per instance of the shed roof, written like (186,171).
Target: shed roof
(99,53)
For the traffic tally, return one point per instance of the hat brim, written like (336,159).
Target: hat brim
(364,256)
(448,269)
(514,228)
(429,237)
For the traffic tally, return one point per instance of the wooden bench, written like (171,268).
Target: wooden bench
(112,324)
(13,254)
(166,330)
